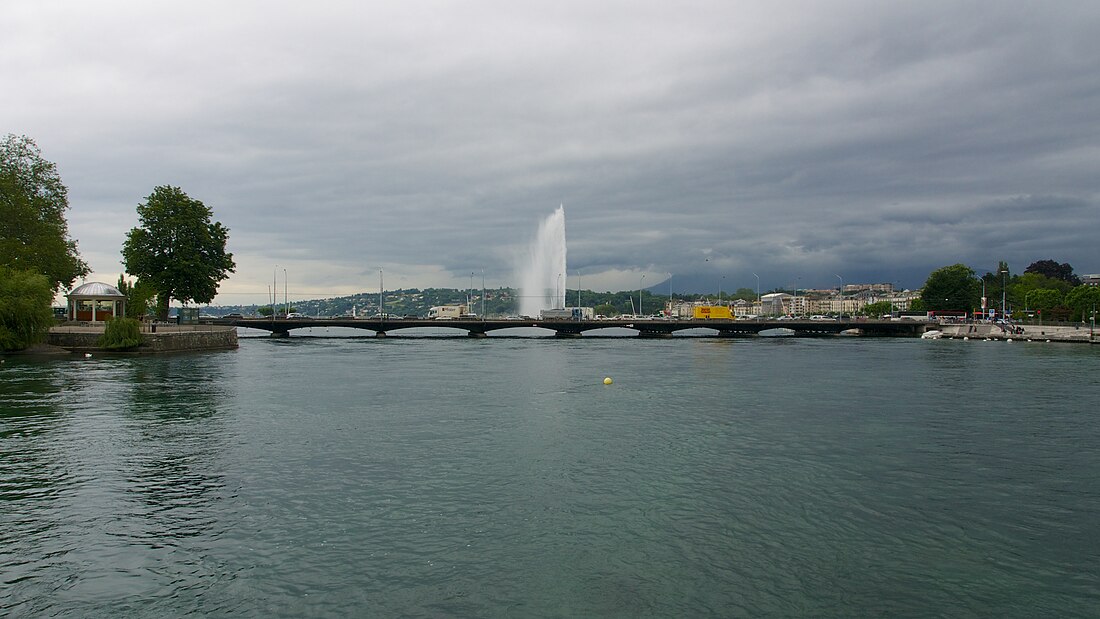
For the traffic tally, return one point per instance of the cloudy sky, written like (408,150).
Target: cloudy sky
(710,140)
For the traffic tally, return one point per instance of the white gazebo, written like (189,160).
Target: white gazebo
(96,302)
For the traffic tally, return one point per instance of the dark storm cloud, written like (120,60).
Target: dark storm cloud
(798,141)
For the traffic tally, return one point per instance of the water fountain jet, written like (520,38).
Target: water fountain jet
(542,272)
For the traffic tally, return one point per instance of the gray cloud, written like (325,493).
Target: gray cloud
(799,141)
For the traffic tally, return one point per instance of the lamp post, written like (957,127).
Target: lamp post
(984,302)
(720,289)
(641,285)
(381,299)
(1004,273)
(578,289)
(757,287)
(286,304)
(670,295)
(840,293)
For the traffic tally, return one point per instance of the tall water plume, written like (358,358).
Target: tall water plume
(542,271)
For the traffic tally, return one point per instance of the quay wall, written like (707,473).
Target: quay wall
(1029,332)
(165,340)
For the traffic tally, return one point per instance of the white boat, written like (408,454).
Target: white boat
(931,335)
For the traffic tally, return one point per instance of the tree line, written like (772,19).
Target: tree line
(1046,289)
(176,251)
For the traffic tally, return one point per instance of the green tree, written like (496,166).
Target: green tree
(878,308)
(138,297)
(605,309)
(1053,270)
(951,288)
(120,333)
(1082,300)
(177,248)
(25,314)
(34,235)
(265,310)
(1042,299)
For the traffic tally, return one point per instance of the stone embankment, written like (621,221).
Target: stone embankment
(159,339)
(1042,333)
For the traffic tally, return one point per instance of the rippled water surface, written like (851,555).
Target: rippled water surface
(337,477)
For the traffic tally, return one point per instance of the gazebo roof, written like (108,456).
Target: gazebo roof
(96,290)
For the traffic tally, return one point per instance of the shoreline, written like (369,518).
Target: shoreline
(158,339)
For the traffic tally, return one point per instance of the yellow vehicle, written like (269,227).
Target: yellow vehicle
(708,312)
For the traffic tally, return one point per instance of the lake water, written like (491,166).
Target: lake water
(499,477)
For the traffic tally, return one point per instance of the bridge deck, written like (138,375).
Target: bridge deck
(645,328)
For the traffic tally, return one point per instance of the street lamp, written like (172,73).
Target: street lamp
(984,302)
(641,285)
(1004,273)
(381,299)
(670,295)
(286,304)
(757,287)
(840,293)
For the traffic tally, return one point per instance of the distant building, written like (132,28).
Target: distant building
(1091,280)
(886,287)
(776,304)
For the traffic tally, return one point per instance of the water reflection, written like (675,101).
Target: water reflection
(172,463)
(108,467)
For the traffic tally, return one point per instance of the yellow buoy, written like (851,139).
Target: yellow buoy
(607,381)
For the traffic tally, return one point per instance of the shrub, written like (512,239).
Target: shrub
(121,334)
(25,314)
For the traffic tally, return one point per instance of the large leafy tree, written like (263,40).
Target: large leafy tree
(1053,270)
(1083,300)
(34,235)
(25,313)
(877,308)
(951,288)
(177,249)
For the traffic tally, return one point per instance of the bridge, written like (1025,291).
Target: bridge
(573,328)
